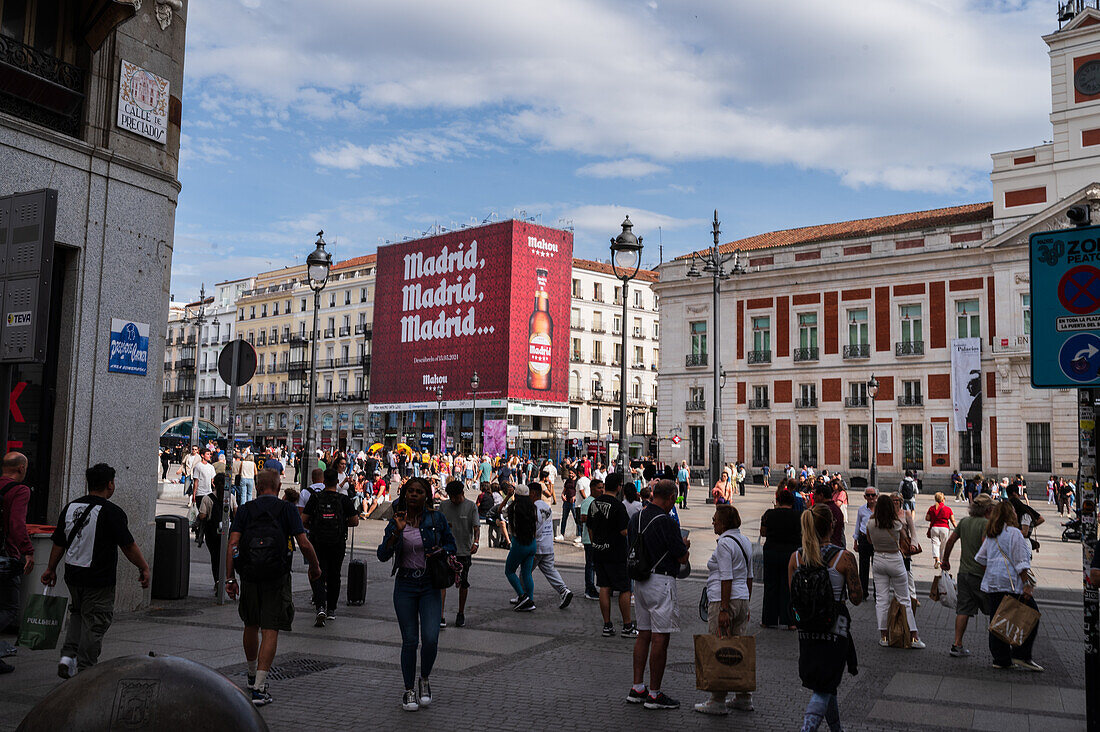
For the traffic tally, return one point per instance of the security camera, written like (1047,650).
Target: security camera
(1078,215)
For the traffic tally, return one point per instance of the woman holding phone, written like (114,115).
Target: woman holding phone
(416,532)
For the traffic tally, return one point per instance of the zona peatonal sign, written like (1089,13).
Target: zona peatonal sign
(143,102)
(1065,307)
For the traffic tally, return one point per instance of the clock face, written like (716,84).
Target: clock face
(1087,79)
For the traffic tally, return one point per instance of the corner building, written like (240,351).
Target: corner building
(822,308)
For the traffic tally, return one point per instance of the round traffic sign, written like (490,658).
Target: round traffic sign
(1079,289)
(1079,358)
(246,362)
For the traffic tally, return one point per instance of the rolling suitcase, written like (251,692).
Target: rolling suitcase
(357,577)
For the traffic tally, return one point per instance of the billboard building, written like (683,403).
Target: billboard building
(491,299)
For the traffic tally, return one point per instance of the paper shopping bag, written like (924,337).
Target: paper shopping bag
(897,626)
(42,620)
(725,664)
(1013,621)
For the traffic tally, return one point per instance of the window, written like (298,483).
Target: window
(597,322)
(761,446)
(912,446)
(656,360)
(263,311)
(597,351)
(251,312)
(807,444)
(639,357)
(576,342)
(970,450)
(576,288)
(638,298)
(638,328)
(697,445)
(1025,302)
(1038,447)
(857,446)
(275,308)
(618,300)
(575,318)
(347,297)
(698,331)
(286,307)
(362,294)
(966,312)
(615,421)
(332,299)
(695,395)
(617,356)
(596,426)
(857,327)
(574,415)
(636,389)
(656,330)
(807,330)
(302,306)
(809,395)
(760,395)
(597,292)
(616,324)
(762,333)
(912,330)
(910,393)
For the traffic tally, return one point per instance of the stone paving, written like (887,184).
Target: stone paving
(553,670)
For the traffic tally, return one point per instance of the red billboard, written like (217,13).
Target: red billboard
(492,299)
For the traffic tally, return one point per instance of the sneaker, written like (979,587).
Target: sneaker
(918,644)
(408,701)
(591,597)
(66,667)
(424,692)
(260,697)
(661,701)
(960,651)
(711,707)
(637,697)
(1027,665)
(741,705)
(321,617)
(608,630)
(8,650)
(460,621)
(251,680)
(443,623)
(566,598)
(330,614)
(6,668)
(629,631)
(883,642)
(559,537)
(515,600)
(525,605)
(1002,668)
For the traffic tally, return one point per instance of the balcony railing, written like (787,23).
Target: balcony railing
(909,348)
(345,331)
(857,350)
(364,360)
(576,396)
(970,466)
(1041,467)
(359,329)
(857,463)
(912,463)
(600,329)
(695,359)
(762,403)
(577,326)
(185,363)
(696,406)
(808,403)
(576,357)
(910,400)
(342,363)
(330,332)
(805,354)
(755,357)
(40,88)
(855,402)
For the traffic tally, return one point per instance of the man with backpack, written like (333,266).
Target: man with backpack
(261,542)
(328,515)
(16,549)
(908,489)
(657,551)
(607,522)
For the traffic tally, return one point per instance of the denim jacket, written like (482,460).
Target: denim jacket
(434,532)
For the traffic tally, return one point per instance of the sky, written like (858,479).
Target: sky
(380,119)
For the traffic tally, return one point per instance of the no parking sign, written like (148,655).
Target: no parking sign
(1065,308)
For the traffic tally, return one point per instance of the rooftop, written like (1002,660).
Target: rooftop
(604,268)
(971,213)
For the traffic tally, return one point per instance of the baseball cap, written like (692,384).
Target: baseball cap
(522,490)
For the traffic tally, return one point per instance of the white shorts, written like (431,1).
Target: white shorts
(655,606)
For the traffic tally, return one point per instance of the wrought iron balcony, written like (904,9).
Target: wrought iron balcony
(695,359)
(856,402)
(856,462)
(758,357)
(40,88)
(576,357)
(359,328)
(330,332)
(1041,467)
(969,466)
(857,350)
(345,331)
(762,403)
(696,406)
(909,348)
(809,403)
(185,363)
(364,360)
(910,400)
(912,463)
(805,354)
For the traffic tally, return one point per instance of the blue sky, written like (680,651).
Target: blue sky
(377,119)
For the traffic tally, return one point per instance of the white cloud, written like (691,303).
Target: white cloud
(600,219)
(625,168)
(203,149)
(406,150)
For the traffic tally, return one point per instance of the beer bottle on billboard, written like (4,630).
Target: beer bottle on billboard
(540,334)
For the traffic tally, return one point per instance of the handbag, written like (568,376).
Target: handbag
(42,619)
(725,664)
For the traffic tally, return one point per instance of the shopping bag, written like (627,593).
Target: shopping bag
(934,591)
(1013,621)
(758,563)
(897,626)
(42,620)
(725,664)
(949,595)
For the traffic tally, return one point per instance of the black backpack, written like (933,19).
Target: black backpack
(639,565)
(327,523)
(812,603)
(907,489)
(264,548)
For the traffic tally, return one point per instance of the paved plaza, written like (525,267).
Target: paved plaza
(553,669)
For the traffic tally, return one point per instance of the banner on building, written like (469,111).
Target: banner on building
(493,298)
(495,436)
(966,383)
(129,350)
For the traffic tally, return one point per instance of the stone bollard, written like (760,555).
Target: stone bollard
(162,693)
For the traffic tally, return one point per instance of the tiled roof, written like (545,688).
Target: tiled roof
(972,213)
(356,261)
(604,268)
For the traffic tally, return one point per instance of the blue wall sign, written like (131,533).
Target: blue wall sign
(1065,308)
(129,347)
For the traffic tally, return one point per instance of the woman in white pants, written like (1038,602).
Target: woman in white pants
(886,533)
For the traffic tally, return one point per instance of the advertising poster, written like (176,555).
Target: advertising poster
(129,352)
(495,436)
(966,383)
(493,298)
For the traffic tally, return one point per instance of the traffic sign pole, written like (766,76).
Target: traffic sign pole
(236,366)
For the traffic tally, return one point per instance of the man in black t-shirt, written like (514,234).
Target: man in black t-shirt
(607,527)
(327,515)
(88,531)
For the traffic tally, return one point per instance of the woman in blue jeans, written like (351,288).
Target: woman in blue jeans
(415,532)
(522,518)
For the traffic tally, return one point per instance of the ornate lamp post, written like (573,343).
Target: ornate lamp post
(872,391)
(714,263)
(439,446)
(626,258)
(475,382)
(318,264)
(198,319)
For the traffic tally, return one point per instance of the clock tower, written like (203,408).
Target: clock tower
(1027,181)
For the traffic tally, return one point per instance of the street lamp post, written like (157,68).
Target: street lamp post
(199,319)
(439,446)
(626,258)
(714,263)
(872,391)
(609,436)
(318,264)
(475,382)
